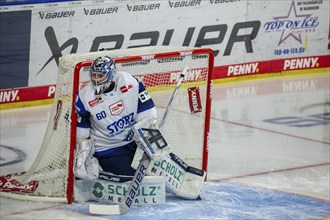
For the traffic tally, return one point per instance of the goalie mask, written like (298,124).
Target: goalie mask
(102,73)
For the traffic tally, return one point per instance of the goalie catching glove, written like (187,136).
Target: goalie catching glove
(86,166)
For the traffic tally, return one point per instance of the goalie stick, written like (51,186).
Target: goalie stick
(177,87)
(133,188)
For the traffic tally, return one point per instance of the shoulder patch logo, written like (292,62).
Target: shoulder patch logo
(144,96)
(117,108)
(126,88)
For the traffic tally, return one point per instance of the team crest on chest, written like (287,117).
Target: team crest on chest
(117,108)
(126,88)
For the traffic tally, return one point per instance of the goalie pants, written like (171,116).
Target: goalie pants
(118,161)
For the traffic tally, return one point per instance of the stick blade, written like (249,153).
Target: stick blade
(106,209)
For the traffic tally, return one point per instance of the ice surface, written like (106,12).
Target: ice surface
(257,169)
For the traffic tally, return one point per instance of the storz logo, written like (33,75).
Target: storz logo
(119,126)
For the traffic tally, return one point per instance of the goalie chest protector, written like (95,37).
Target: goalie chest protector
(112,114)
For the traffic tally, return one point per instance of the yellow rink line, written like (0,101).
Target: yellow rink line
(15,105)
(291,73)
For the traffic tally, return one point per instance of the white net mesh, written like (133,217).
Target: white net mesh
(183,129)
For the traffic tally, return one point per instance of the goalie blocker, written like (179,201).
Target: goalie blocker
(182,180)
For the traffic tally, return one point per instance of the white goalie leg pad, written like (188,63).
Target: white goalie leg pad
(192,183)
(85,165)
(149,138)
(111,188)
(181,179)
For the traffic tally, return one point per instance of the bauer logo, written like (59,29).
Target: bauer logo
(135,185)
(194,100)
(223,1)
(100,11)
(51,15)
(146,7)
(180,4)
(158,37)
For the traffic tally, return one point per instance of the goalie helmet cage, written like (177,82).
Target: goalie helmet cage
(50,178)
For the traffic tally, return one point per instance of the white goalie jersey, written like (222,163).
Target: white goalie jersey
(108,118)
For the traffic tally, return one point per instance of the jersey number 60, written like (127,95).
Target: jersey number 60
(101,115)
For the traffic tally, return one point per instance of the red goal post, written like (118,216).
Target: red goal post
(187,127)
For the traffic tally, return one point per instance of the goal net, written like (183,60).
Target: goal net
(50,178)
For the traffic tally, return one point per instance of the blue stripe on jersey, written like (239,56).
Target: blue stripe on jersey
(84,123)
(80,105)
(145,105)
(83,114)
